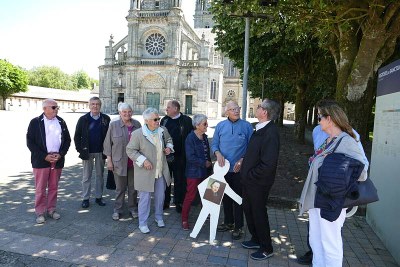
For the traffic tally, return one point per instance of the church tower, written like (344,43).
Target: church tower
(202,16)
(163,58)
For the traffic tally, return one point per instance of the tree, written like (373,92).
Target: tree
(81,80)
(12,80)
(361,35)
(279,50)
(50,77)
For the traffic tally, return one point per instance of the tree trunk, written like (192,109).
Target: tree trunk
(3,101)
(301,113)
(282,103)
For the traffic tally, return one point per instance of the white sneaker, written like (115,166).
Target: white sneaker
(144,229)
(115,216)
(160,223)
(55,215)
(40,219)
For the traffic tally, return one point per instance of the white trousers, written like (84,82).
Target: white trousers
(326,239)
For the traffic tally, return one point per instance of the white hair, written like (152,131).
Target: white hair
(147,113)
(198,118)
(123,106)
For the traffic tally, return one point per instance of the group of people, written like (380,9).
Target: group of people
(140,158)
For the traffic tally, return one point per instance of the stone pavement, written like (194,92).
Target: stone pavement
(91,238)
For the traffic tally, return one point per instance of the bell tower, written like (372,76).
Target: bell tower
(202,15)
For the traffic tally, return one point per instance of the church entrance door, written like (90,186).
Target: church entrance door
(188,104)
(153,100)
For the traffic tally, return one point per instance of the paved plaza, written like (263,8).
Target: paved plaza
(89,237)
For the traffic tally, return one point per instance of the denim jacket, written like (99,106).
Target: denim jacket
(195,156)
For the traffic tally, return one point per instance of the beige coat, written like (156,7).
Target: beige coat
(115,145)
(140,148)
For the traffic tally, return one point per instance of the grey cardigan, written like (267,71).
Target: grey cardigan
(140,148)
(350,148)
(115,144)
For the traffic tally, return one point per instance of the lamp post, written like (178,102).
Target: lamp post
(247,16)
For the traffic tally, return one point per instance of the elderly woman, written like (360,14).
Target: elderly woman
(325,235)
(148,148)
(198,160)
(118,135)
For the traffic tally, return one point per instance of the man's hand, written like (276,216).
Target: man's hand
(238,165)
(110,165)
(220,159)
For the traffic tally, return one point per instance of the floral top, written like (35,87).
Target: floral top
(321,149)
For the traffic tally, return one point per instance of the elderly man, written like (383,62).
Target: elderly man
(178,126)
(230,141)
(90,132)
(48,140)
(257,177)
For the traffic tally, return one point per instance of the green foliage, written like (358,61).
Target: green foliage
(12,79)
(282,48)
(81,80)
(53,77)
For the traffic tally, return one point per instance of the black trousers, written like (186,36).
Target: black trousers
(177,172)
(255,209)
(233,212)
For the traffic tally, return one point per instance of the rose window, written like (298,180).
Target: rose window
(155,44)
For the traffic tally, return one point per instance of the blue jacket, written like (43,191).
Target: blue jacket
(231,139)
(195,156)
(337,178)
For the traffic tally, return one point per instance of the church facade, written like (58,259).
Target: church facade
(164,58)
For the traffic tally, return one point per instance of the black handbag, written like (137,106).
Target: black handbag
(110,184)
(367,193)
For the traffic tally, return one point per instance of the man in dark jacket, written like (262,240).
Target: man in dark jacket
(179,126)
(48,140)
(90,132)
(257,177)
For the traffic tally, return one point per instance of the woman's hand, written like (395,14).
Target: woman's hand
(147,165)
(110,165)
(167,151)
(208,164)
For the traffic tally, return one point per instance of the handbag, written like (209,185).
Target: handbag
(367,193)
(110,184)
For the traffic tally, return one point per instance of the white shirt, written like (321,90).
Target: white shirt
(53,134)
(261,125)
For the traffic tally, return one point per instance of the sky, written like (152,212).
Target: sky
(69,34)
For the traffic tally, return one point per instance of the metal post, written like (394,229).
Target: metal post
(245,67)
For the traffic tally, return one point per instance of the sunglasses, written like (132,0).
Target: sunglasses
(205,124)
(54,107)
(155,119)
(320,117)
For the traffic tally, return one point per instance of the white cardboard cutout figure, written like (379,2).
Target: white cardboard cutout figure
(211,207)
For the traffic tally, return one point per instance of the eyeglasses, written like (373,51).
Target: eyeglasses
(205,124)
(235,109)
(54,107)
(321,116)
(155,119)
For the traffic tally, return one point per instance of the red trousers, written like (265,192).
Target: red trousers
(46,179)
(191,190)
